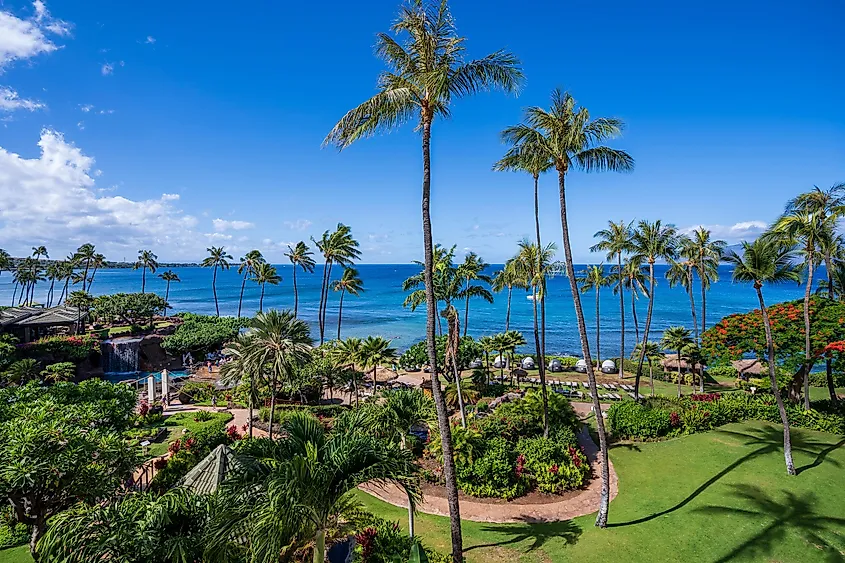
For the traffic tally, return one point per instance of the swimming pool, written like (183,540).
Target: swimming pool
(142,375)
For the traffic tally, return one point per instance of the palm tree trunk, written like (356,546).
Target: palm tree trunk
(601,518)
(461,407)
(251,396)
(64,291)
(622,318)
(214,289)
(261,299)
(91,281)
(598,331)
(166,296)
(324,296)
(14,293)
(634,315)
(651,375)
(320,546)
(508,313)
(787,440)
(807,352)
(272,405)
(295,294)
(340,313)
(85,276)
(645,330)
(542,371)
(50,293)
(466,311)
(241,298)
(703,304)
(679,373)
(828,365)
(431,313)
(143,279)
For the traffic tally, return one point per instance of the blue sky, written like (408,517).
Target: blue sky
(176,125)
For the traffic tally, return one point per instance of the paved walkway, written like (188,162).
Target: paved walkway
(585,502)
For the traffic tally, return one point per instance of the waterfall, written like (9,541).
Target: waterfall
(121,355)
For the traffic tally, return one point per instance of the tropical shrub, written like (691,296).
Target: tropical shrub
(62,371)
(127,308)
(8,350)
(417,355)
(198,333)
(722,371)
(195,392)
(552,465)
(493,473)
(381,541)
(61,348)
(662,417)
(320,411)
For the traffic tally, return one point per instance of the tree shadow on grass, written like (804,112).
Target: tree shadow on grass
(536,532)
(795,513)
(768,440)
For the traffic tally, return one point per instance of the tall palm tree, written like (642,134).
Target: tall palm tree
(488,344)
(66,274)
(83,256)
(615,241)
(404,409)
(450,357)
(238,370)
(572,140)
(505,279)
(426,71)
(447,284)
(834,286)
(633,280)
(681,271)
(5,261)
(806,227)
(652,242)
(768,261)
(530,157)
(280,344)
(53,273)
(246,268)
(676,338)
(97,261)
(299,255)
(39,251)
(338,247)
(512,340)
(376,351)
(350,283)
(708,255)
(471,270)
(593,279)
(653,354)
(217,258)
(829,207)
(297,489)
(533,265)
(262,274)
(168,276)
(146,261)
(348,354)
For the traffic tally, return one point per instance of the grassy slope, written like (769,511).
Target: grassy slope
(669,504)
(15,555)
(175,423)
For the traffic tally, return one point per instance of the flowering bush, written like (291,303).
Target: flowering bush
(61,348)
(552,466)
(705,397)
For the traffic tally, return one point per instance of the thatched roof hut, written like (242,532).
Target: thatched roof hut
(670,363)
(748,367)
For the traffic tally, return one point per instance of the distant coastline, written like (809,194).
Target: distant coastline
(112,265)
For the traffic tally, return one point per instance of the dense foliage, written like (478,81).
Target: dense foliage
(60,348)
(660,417)
(504,454)
(737,335)
(417,356)
(127,308)
(62,444)
(199,333)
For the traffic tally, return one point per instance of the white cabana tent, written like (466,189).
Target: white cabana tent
(528,362)
(608,366)
(581,366)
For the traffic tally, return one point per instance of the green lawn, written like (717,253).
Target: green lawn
(18,554)
(718,496)
(176,423)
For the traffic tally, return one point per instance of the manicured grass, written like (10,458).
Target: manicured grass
(178,422)
(717,496)
(18,554)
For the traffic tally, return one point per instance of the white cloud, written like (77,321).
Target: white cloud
(150,40)
(733,233)
(10,101)
(298,225)
(22,39)
(106,111)
(221,225)
(81,125)
(107,69)
(54,197)
(85,108)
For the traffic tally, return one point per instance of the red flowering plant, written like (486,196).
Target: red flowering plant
(742,335)
(232,432)
(705,397)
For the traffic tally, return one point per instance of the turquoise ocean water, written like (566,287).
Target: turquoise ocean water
(379,311)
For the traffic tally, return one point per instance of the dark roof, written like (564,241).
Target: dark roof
(53,316)
(209,473)
(33,316)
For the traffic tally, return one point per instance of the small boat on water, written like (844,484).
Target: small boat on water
(530,297)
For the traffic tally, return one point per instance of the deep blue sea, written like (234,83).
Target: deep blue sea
(379,311)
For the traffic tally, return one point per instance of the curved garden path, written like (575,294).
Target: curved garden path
(583,502)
